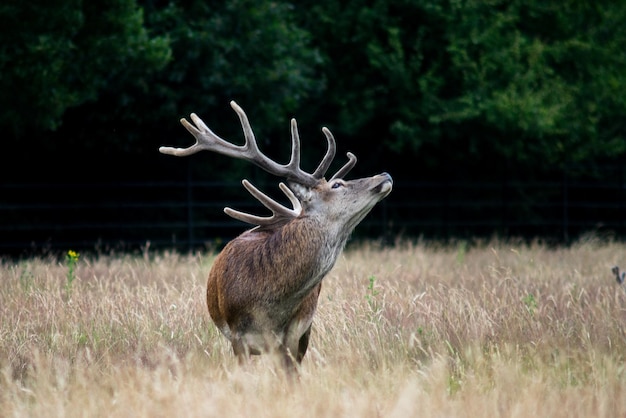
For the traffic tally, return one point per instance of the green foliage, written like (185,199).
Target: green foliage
(531,303)
(71,259)
(251,52)
(371,294)
(236,50)
(480,80)
(27,278)
(62,53)
(244,50)
(525,72)
(475,85)
(461,252)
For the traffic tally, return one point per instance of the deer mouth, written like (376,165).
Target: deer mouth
(385,186)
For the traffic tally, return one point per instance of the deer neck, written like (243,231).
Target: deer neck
(325,242)
(296,256)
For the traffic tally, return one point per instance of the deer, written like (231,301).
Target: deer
(263,287)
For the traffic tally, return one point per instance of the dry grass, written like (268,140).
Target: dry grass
(502,329)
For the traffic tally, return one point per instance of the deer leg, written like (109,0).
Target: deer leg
(288,361)
(241,351)
(306,310)
(292,352)
(303,344)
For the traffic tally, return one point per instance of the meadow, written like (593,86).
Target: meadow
(491,329)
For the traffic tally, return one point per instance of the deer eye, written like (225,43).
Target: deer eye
(336,185)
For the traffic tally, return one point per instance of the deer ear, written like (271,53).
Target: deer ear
(303,193)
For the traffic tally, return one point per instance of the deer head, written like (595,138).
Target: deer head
(263,287)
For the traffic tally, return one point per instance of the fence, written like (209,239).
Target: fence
(188,214)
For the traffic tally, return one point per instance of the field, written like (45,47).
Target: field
(494,329)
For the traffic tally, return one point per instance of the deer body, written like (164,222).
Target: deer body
(266,302)
(263,287)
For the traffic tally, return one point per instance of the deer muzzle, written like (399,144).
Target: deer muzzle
(384,184)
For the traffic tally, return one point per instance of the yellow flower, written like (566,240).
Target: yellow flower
(73,255)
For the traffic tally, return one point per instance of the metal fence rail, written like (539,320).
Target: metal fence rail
(187,214)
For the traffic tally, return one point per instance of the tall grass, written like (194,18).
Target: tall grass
(420,329)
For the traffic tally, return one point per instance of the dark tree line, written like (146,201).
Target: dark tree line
(452,89)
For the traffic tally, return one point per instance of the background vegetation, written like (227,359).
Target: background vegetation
(446,90)
(498,329)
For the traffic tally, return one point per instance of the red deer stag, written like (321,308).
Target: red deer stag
(263,287)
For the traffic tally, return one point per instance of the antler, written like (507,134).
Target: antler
(279,212)
(207,140)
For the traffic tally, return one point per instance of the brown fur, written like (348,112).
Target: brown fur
(264,282)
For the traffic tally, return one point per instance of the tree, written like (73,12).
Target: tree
(243,50)
(59,54)
(118,76)
(477,83)
(542,76)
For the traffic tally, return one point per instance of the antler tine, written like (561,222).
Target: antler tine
(330,155)
(294,161)
(328,158)
(278,211)
(291,170)
(346,167)
(205,140)
(250,146)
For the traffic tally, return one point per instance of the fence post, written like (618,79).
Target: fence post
(622,198)
(565,220)
(446,208)
(386,232)
(190,237)
(504,204)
